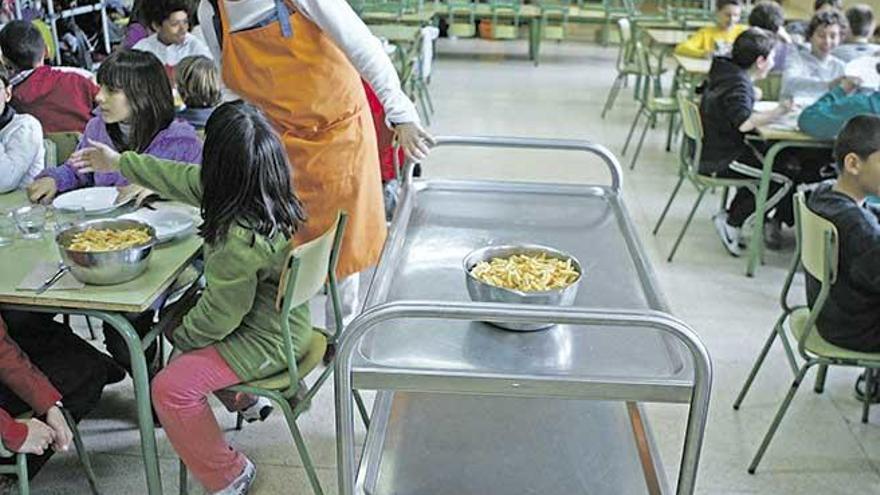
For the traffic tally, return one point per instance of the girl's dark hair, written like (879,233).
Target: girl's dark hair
(861,19)
(245,176)
(825,19)
(156,11)
(860,135)
(720,4)
(767,15)
(141,76)
(751,44)
(818,4)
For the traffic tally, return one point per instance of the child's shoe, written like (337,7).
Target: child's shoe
(730,236)
(258,411)
(242,484)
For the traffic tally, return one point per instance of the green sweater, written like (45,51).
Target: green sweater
(236,312)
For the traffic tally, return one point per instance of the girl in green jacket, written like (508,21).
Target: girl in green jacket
(233,332)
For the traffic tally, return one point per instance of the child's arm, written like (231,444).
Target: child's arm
(231,286)
(18,153)
(171,180)
(827,116)
(699,45)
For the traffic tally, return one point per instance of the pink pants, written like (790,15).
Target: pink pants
(180,397)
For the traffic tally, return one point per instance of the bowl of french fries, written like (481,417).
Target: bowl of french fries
(106,252)
(522,274)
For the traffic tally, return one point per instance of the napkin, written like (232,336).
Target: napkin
(44,271)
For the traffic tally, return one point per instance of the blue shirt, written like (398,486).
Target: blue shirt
(825,118)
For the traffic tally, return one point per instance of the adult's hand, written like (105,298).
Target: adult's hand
(39,437)
(415,141)
(42,190)
(98,157)
(63,436)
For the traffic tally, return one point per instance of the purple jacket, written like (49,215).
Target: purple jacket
(178,142)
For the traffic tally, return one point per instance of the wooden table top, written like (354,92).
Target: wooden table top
(693,65)
(17,260)
(667,37)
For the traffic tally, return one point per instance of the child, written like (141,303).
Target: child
(137,114)
(198,83)
(769,16)
(715,39)
(727,115)
(22,155)
(171,41)
(62,99)
(232,334)
(138,27)
(798,29)
(825,118)
(861,27)
(851,316)
(811,73)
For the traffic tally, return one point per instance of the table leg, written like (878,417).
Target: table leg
(534,39)
(142,395)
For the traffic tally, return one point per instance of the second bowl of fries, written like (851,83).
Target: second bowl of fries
(522,274)
(106,252)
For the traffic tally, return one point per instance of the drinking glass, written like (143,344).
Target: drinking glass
(7,228)
(31,221)
(66,218)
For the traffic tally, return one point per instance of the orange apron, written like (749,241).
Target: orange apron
(314,97)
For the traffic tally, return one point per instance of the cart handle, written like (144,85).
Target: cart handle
(529,143)
(494,312)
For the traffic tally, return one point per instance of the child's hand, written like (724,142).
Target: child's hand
(784,107)
(97,158)
(42,190)
(850,84)
(63,435)
(415,141)
(39,437)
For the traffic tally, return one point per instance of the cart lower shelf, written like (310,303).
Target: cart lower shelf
(444,444)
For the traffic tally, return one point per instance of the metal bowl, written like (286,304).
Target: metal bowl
(483,292)
(106,267)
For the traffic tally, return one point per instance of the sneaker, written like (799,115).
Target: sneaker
(860,390)
(258,411)
(730,236)
(242,484)
(773,234)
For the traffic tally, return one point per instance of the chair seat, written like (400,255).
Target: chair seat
(817,345)
(663,104)
(281,381)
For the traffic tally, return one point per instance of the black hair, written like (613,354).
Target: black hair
(767,15)
(825,19)
(4,77)
(720,4)
(751,44)
(246,176)
(22,45)
(818,4)
(860,135)
(142,77)
(156,11)
(860,18)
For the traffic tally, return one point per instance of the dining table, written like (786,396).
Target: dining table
(109,304)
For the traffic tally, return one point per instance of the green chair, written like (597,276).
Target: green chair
(505,9)
(554,18)
(817,253)
(652,102)
(307,269)
(692,140)
(614,10)
(20,469)
(771,86)
(461,18)
(65,143)
(51,151)
(626,64)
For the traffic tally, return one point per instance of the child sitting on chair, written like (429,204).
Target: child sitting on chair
(850,317)
(233,333)
(861,27)
(716,39)
(22,154)
(811,72)
(198,83)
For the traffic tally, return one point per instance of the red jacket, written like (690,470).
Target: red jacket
(384,136)
(25,381)
(61,99)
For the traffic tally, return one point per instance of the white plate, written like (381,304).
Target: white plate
(865,68)
(169,224)
(92,200)
(765,106)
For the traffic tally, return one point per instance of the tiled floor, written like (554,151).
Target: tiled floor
(488,88)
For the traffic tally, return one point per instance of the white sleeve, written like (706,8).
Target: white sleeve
(19,149)
(364,51)
(206,21)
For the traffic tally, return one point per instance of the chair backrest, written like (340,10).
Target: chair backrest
(307,269)
(817,242)
(691,149)
(625,30)
(771,86)
(65,144)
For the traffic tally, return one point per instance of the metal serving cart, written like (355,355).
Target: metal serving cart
(466,408)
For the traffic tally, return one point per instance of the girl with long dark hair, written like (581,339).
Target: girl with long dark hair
(136,114)
(232,333)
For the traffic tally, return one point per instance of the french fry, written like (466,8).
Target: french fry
(526,273)
(92,240)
